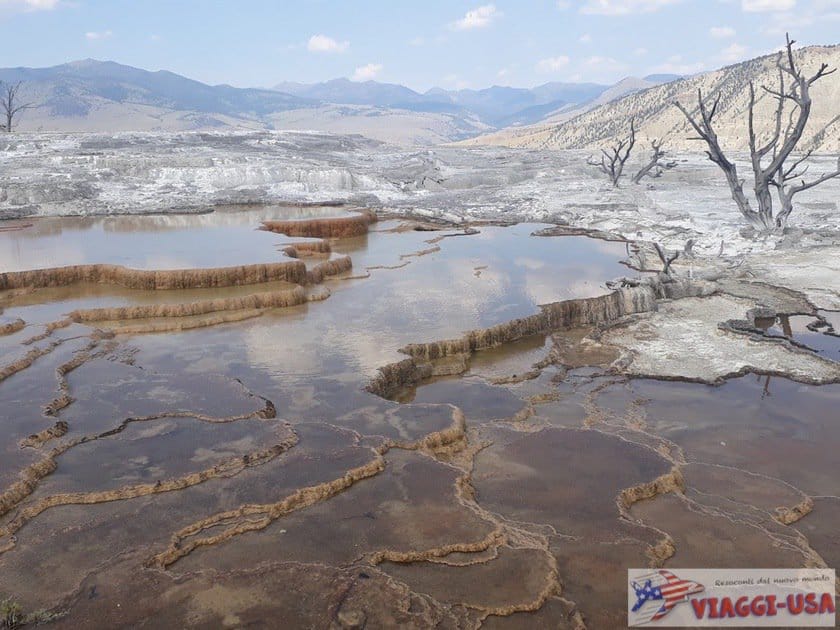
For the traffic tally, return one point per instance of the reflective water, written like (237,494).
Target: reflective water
(469,503)
(222,238)
(809,331)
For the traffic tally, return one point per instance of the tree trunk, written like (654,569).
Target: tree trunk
(780,146)
(765,203)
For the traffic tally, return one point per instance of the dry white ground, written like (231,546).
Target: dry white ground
(72,174)
(48,174)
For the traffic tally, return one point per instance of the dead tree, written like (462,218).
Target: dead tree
(787,190)
(776,174)
(612,161)
(9,103)
(655,167)
(666,258)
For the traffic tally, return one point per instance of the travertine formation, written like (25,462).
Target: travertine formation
(521,476)
(564,315)
(356,224)
(332,267)
(9,326)
(718,351)
(290,271)
(276,299)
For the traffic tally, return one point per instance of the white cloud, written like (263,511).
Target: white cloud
(477,18)
(722,32)
(586,38)
(27,6)
(604,66)
(93,36)
(757,6)
(367,72)
(417,41)
(819,11)
(732,53)
(624,7)
(641,51)
(323,43)
(552,64)
(564,4)
(677,65)
(30,5)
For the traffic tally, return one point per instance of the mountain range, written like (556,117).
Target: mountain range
(497,105)
(91,95)
(105,96)
(656,116)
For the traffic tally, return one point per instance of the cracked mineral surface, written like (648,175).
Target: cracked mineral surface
(299,415)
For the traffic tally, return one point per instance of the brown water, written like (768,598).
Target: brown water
(497,498)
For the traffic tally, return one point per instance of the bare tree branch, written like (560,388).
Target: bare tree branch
(613,160)
(780,145)
(706,131)
(654,167)
(666,259)
(9,103)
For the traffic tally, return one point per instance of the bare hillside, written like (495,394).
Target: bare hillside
(656,116)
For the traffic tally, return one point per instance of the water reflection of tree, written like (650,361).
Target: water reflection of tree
(787,331)
(765,392)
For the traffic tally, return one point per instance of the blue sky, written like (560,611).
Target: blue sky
(421,44)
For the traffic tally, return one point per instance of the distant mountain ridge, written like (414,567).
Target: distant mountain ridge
(349,92)
(497,105)
(91,95)
(656,116)
(66,86)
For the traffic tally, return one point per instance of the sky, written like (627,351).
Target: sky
(446,43)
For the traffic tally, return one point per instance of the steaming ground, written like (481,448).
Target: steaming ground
(72,174)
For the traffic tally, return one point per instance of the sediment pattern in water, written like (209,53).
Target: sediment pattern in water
(520,477)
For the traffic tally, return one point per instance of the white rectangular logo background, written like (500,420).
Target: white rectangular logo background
(731,598)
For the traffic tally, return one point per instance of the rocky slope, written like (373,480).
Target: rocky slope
(656,116)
